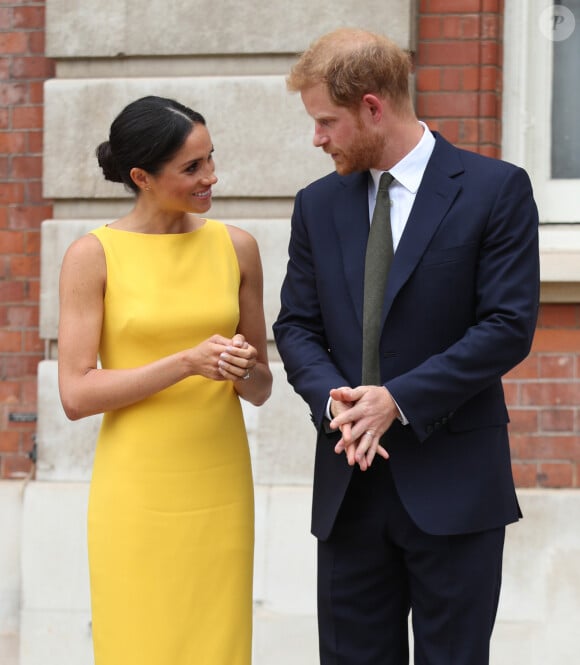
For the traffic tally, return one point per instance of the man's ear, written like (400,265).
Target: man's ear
(373,106)
(141,178)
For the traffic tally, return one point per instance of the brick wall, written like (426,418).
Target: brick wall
(544,398)
(23,69)
(458,68)
(459,71)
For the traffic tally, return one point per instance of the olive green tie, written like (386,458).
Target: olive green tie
(378,260)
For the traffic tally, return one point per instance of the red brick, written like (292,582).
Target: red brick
(13,42)
(523,420)
(451,105)
(429,27)
(454,6)
(491,6)
(26,167)
(12,142)
(4,119)
(546,446)
(33,191)
(29,18)
(19,366)
(489,53)
(449,53)
(36,42)
(25,266)
(11,242)
(470,78)
(488,130)
(28,217)
(451,27)
(27,117)
(33,290)
(16,466)
(525,474)
(11,291)
(470,27)
(32,68)
(450,129)
(9,392)
(5,68)
(9,442)
(29,391)
(24,316)
(551,393)
(429,78)
(4,168)
(555,475)
(11,192)
(557,420)
(13,93)
(559,316)
(32,242)
(5,18)
(451,78)
(468,130)
(32,342)
(519,445)
(490,78)
(35,142)
(553,340)
(10,341)
(556,366)
(36,92)
(511,391)
(490,26)
(488,104)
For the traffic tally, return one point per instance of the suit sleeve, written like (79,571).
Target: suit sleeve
(299,328)
(507,301)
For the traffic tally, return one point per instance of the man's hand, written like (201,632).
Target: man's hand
(362,415)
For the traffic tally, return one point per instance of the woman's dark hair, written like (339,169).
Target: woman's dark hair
(146,134)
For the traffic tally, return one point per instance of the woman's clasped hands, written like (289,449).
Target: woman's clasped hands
(237,359)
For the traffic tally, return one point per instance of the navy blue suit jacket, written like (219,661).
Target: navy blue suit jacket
(459,311)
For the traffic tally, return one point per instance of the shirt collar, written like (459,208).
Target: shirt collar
(409,171)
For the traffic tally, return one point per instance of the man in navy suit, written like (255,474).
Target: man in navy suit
(412,482)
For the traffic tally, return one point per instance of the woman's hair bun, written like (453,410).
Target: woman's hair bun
(108,163)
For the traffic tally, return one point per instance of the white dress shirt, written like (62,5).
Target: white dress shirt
(407,175)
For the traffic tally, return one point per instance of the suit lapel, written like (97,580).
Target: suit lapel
(436,194)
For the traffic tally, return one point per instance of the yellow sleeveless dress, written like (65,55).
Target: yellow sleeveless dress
(171,512)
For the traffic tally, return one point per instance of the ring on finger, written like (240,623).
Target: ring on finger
(246,375)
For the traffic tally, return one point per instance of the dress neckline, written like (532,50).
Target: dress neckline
(160,235)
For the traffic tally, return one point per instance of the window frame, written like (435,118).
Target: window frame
(527,110)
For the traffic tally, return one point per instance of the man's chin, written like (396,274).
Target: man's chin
(343,169)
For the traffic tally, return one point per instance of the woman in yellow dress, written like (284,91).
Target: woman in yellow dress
(171,304)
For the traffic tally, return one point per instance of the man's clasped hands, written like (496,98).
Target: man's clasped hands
(362,415)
